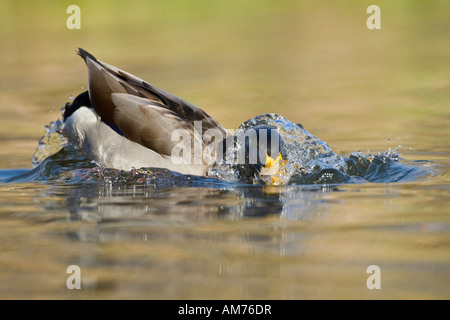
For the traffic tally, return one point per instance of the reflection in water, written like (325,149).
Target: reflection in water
(142,211)
(160,240)
(185,198)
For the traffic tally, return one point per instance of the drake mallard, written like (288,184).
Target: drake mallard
(124,122)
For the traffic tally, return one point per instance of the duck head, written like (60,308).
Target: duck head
(261,153)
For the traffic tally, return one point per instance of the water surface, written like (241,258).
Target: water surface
(159,235)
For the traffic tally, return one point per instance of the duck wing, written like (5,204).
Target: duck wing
(104,80)
(152,125)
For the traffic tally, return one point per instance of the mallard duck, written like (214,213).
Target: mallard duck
(124,122)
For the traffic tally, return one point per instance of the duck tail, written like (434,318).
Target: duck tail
(84,54)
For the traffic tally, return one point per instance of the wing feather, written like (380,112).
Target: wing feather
(150,124)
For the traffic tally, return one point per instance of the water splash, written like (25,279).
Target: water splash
(307,160)
(50,143)
(303,152)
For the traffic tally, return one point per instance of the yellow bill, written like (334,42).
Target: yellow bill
(274,170)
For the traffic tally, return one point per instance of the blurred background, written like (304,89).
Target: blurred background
(314,62)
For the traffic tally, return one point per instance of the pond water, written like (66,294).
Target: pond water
(378,100)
